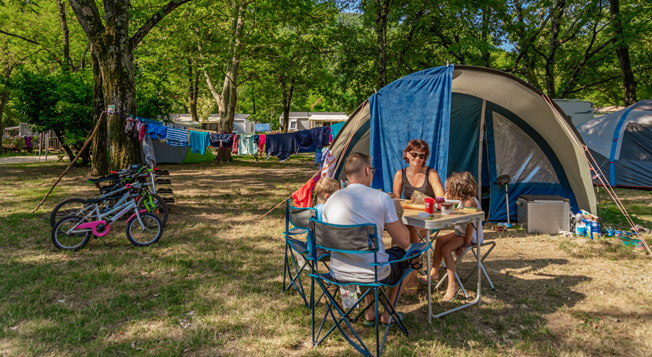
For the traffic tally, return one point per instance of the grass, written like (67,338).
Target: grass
(212,285)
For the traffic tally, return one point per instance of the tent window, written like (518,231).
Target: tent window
(637,141)
(518,156)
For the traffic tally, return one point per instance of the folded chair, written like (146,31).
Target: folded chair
(353,239)
(473,249)
(296,248)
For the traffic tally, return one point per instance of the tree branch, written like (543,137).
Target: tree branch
(89,18)
(158,16)
(54,56)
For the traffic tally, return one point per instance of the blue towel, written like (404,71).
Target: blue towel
(335,129)
(156,131)
(320,136)
(281,145)
(304,141)
(199,140)
(425,98)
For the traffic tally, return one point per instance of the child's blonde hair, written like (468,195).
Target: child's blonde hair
(324,186)
(461,185)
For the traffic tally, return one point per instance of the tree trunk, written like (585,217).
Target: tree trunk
(286,91)
(67,62)
(218,100)
(484,50)
(4,96)
(99,152)
(382,12)
(193,91)
(230,89)
(117,67)
(623,54)
(66,148)
(557,13)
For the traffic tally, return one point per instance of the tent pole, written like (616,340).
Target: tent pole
(480,141)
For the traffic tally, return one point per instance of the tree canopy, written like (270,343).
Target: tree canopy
(267,58)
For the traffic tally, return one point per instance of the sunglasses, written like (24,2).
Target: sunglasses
(419,155)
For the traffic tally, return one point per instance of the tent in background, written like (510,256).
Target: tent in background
(621,143)
(498,125)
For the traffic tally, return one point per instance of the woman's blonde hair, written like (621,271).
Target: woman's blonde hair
(325,185)
(461,185)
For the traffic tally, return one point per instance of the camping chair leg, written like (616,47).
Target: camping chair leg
(285,266)
(297,278)
(457,278)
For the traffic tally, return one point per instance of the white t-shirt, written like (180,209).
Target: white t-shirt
(358,204)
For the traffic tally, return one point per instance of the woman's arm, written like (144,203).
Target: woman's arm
(435,183)
(398,183)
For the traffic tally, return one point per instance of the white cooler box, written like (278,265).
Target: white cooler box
(544,214)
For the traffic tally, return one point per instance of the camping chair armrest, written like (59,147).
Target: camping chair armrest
(414,251)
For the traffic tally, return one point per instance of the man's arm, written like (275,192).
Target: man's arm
(399,233)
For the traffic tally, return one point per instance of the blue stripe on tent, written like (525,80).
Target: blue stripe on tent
(416,106)
(614,145)
(497,211)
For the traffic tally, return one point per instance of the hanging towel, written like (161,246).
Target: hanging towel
(303,196)
(304,141)
(148,151)
(246,145)
(156,131)
(261,144)
(335,128)
(235,144)
(328,165)
(281,145)
(320,136)
(222,140)
(177,137)
(199,140)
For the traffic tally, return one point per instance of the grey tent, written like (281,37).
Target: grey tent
(621,143)
(512,129)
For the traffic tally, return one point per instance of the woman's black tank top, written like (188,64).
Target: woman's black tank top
(408,189)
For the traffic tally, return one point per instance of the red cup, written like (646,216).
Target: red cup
(430,205)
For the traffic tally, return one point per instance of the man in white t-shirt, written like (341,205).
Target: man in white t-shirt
(357,204)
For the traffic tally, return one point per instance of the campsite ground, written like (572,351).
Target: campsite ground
(212,285)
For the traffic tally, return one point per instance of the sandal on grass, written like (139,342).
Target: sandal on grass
(423,279)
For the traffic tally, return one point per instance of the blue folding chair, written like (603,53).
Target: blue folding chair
(296,249)
(353,239)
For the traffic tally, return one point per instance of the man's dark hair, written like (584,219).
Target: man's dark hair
(356,163)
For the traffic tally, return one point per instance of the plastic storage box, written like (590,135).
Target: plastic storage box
(543,214)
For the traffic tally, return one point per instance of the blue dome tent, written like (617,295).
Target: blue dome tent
(474,119)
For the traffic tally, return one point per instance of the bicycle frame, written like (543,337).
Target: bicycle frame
(106,223)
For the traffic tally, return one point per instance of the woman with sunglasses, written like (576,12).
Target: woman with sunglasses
(416,177)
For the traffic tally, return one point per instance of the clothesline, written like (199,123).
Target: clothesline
(281,146)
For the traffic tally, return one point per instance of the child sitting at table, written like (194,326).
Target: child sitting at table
(324,188)
(463,187)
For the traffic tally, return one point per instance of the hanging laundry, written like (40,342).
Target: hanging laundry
(148,151)
(235,144)
(261,144)
(304,141)
(129,125)
(281,145)
(177,137)
(320,136)
(222,140)
(328,165)
(246,145)
(156,131)
(303,196)
(198,142)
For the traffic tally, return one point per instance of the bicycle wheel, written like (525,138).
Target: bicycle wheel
(149,232)
(156,206)
(63,239)
(67,207)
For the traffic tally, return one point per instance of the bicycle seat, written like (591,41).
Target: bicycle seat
(103,178)
(95,200)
